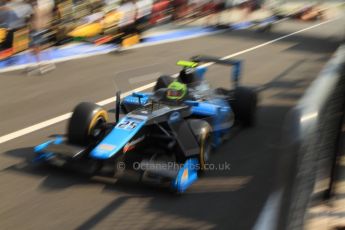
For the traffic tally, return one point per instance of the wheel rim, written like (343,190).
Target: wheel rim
(97,130)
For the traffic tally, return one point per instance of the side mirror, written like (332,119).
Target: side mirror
(139,96)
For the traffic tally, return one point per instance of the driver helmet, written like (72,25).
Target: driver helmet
(176,91)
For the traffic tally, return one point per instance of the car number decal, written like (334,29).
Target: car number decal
(127,125)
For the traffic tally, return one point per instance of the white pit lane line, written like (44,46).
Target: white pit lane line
(55,120)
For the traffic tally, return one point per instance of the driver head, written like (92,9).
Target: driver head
(176,91)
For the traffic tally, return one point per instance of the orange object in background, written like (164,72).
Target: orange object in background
(104,40)
(4,54)
(131,40)
(312,14)
(20,40)
(3,34)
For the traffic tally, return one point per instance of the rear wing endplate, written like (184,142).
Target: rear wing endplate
(236,70)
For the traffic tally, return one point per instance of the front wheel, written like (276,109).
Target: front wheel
(87,123)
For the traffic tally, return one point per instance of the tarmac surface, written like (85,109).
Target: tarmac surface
(47,198)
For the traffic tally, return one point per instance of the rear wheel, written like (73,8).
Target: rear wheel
(87,124)
(244,105)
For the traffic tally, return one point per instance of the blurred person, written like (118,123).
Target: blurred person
(207,7)
(64,11)
(14,15)
(195,7)
(110,5)
(128,10)
(215,7)
(179,7)
(159,11)
(127,22)
(144,11)
(40,24)
(96,5)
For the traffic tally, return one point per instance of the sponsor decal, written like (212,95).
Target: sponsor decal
(184,176)
(175,116)
(106,147)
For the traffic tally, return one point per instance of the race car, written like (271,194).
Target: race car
(165,136)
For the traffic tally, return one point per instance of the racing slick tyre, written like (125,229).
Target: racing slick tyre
(244,105)
(202,130)
(163,82)
(87,123)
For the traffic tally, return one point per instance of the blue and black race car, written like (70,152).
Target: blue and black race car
(165,136)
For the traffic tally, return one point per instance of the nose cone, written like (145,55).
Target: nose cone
(114,142)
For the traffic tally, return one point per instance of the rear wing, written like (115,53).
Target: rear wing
(236,64)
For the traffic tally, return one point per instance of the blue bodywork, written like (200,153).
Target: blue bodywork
(42,156)
(137,99)
(218,110)
(186,176)
(123,132)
